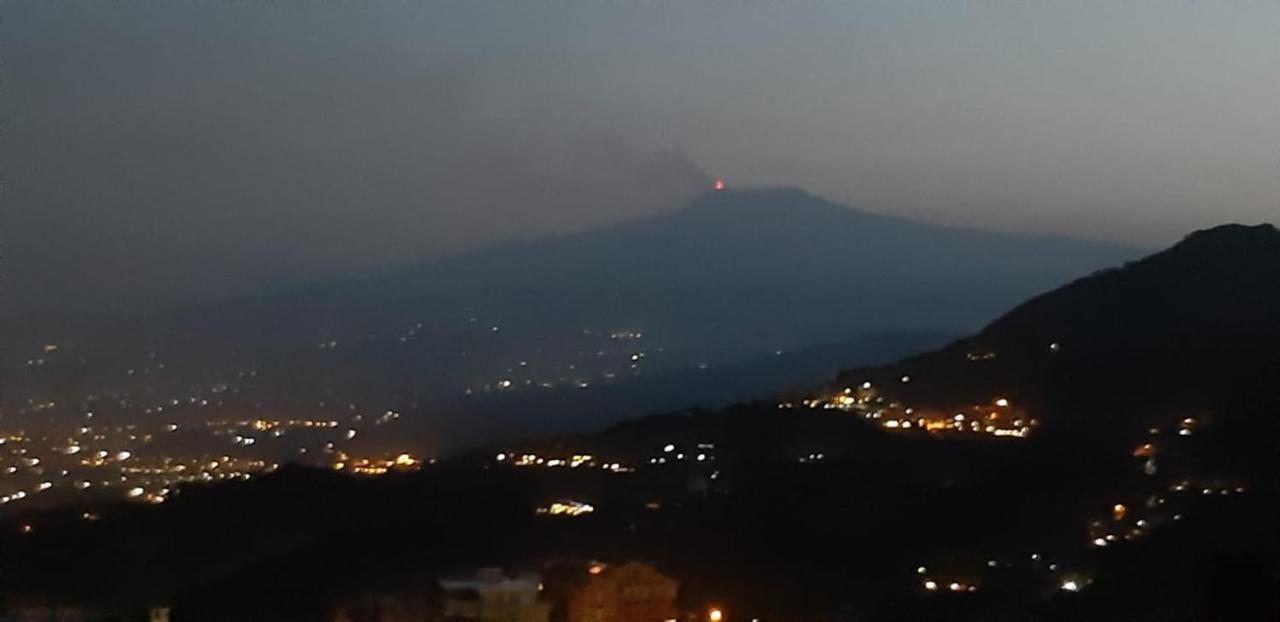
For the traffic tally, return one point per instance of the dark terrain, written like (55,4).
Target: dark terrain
(774,530)
(721,285)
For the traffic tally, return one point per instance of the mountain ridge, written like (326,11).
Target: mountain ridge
(1195,327)
(846,496)
(734,276)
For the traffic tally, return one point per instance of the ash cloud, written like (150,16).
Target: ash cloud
(159,155)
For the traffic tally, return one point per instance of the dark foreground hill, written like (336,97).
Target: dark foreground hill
(1193,331)
(1146,489)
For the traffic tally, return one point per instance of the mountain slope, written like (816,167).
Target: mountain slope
(821,513)
(733,277)
(1192,329)
(1192,332)
(777,267)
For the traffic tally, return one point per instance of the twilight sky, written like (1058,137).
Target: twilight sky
(158,153)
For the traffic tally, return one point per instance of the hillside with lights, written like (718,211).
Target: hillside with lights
(1101,451)
(1187,334)
(589,327)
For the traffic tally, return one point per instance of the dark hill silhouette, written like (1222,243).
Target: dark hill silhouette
(735,272)
(1189,331)
(1194,328)
(733,277)
(740,271)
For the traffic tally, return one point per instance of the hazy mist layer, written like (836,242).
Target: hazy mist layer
(156,154)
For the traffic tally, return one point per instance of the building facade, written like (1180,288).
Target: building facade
(493,596)
(628,592)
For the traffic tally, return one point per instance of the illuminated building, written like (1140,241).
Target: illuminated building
(598,592)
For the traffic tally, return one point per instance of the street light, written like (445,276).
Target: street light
(715,615)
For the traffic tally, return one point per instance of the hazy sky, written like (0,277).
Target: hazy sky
(158,153)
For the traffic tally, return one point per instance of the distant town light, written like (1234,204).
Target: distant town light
(567,508)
